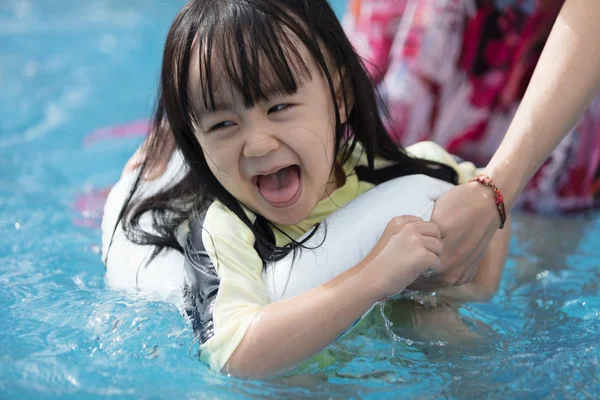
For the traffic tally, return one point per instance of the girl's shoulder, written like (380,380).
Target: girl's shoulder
(220,221)
(222,236)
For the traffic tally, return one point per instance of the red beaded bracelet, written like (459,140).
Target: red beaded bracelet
(487,181)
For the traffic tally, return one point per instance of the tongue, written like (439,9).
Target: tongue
(281,186)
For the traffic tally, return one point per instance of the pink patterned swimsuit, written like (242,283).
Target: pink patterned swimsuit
(454,72)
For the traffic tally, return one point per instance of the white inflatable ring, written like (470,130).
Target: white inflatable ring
(351,232)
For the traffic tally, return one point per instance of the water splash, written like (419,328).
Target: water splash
(389,324)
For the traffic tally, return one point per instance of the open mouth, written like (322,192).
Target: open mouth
(281,188)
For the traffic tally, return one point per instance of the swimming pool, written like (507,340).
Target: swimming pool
(77,81)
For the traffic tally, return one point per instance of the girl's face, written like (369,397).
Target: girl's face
(276,157)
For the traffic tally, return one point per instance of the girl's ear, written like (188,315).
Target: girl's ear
(344,107)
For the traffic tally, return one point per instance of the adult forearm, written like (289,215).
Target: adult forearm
(564,82)
(290,331)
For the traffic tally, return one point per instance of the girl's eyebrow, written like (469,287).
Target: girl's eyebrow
(219,106)
(274,92)
(269,93)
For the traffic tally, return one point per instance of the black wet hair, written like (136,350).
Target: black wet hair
(253,43)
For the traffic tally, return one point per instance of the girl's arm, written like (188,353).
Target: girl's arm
(284,333)
(290,331)
(565,80)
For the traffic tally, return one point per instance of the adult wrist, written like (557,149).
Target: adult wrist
(508,182)
(498,198)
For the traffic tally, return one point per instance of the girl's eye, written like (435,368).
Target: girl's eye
(222,125)
(279,107)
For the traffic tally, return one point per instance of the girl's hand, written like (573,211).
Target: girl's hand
(407,248)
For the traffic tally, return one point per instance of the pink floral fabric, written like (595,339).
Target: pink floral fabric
(454,72)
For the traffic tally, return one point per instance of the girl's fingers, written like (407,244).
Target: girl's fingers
(400,222)
(434,245)
(429,229)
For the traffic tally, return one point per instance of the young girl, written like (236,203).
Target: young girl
(278,126)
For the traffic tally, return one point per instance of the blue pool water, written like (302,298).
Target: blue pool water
(68,70)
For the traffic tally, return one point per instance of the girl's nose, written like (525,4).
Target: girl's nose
(260,144)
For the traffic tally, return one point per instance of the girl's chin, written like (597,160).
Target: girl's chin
(287,216)
(281,217)
(290,214)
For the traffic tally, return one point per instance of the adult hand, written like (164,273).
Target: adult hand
(467,218)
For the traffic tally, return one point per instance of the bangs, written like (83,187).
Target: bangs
(254,51)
